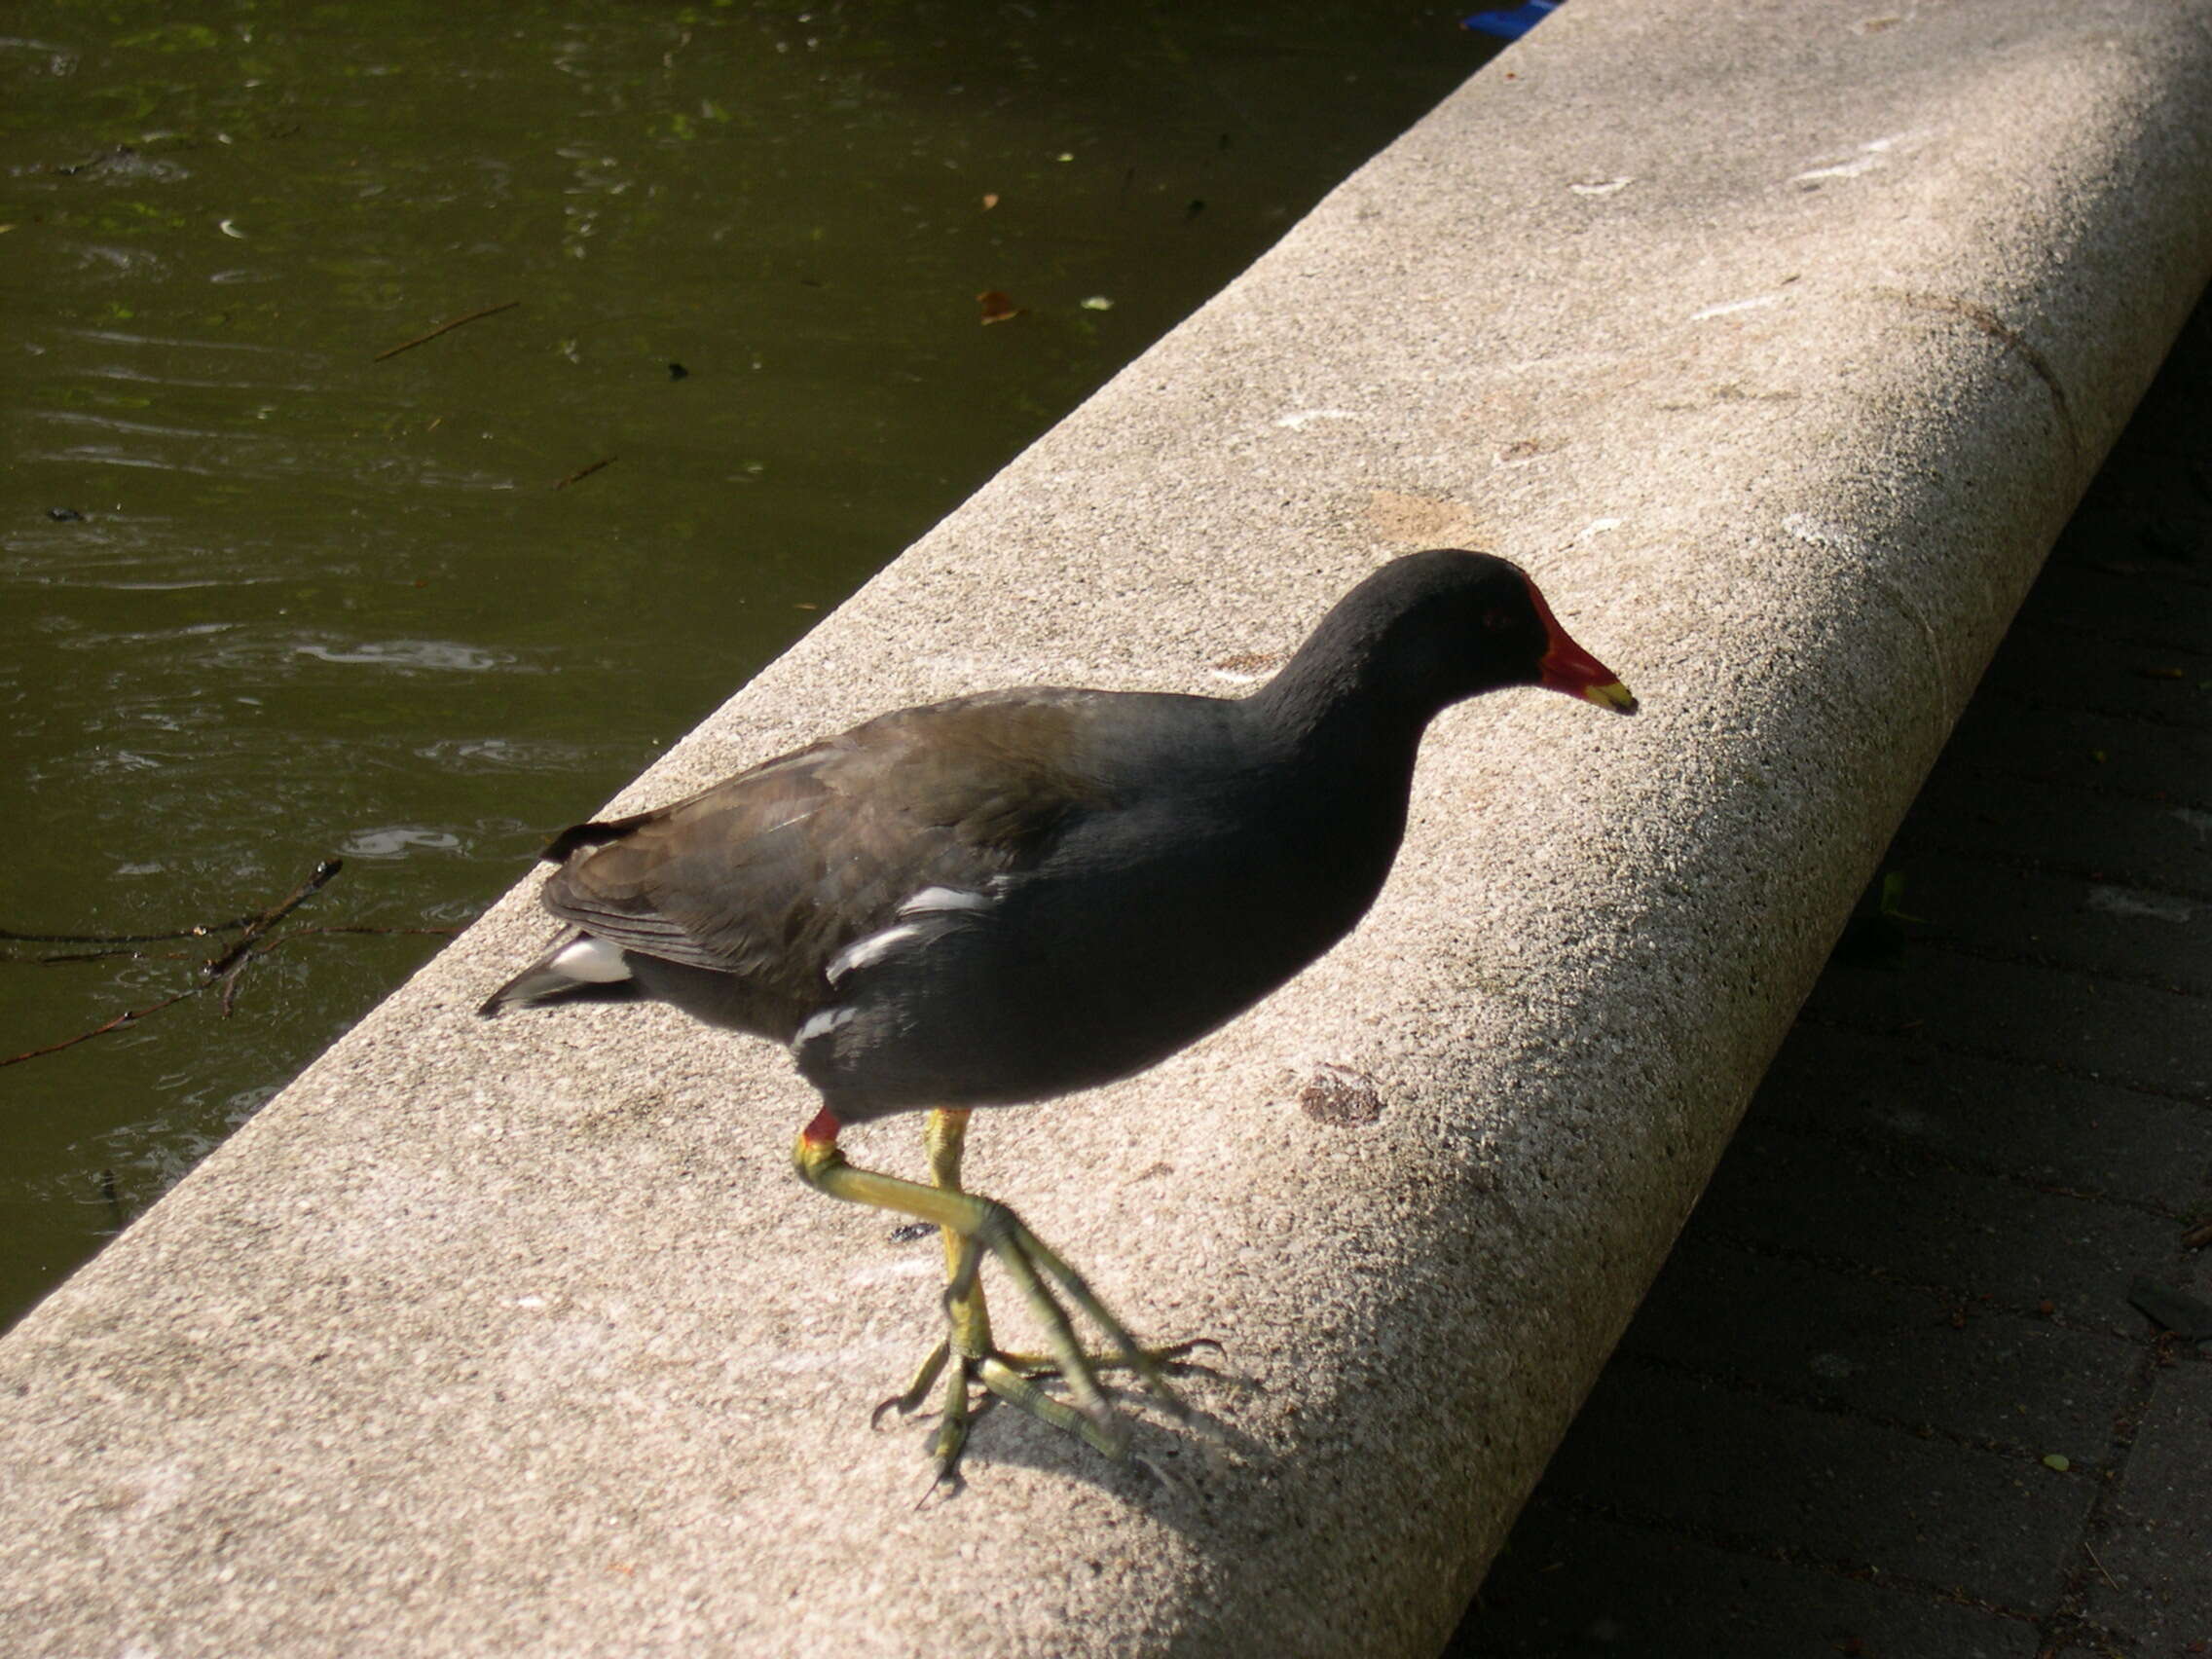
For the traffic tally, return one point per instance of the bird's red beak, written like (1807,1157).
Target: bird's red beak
(1567,667)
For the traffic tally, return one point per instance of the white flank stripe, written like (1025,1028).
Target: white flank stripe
(873,948)
(930,899)
(821,1025)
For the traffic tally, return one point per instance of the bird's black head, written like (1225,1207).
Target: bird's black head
(1431,629)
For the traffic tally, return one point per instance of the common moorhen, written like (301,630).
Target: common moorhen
(1011,895)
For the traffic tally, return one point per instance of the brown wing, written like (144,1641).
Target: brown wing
(769,874)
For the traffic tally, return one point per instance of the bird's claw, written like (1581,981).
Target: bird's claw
(1043,1278)
(917,1391)
(1173,1358)
(967,1358)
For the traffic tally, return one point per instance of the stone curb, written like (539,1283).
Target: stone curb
(1779,338)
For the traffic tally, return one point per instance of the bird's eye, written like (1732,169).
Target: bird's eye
(1497,619)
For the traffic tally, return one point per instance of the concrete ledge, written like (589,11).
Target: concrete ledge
(1779,338)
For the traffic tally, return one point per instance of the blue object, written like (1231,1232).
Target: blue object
(1512,23)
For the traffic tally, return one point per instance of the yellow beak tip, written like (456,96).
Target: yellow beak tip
(1612,695)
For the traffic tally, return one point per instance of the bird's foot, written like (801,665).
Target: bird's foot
(1173,1358)
(967,1356)
(971,1225)
(1043,1278)
(1015,1378)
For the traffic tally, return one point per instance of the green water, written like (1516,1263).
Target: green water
(267,601)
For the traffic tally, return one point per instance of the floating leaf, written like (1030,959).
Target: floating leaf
(997,307)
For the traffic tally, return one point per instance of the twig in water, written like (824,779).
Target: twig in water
(198,929)
(125,1017)
(64,959)
(586,471)
(262,947)
(222,970)
(229,982)
(318,877)
(443,327)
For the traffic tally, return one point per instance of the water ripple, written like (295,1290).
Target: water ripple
(410,653)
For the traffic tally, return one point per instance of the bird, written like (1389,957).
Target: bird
(1012,896)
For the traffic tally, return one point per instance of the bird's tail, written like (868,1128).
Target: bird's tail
(575,967)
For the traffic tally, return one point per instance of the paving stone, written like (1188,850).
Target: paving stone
(2096,581)
(2155,531)
(2156,1540)
(1978,1237)
(2091,749)
(1574,1582)
(2102,928)
(2058,827)
(1730,1467)
(2077,1023)
(1957,1110)
(2150,527)
(2046,661)
(1843,1341)
(2162,846)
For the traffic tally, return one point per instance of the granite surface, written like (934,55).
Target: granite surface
(1779,339)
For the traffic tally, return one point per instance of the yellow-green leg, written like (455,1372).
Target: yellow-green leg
(972,1224)
(944,1137)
